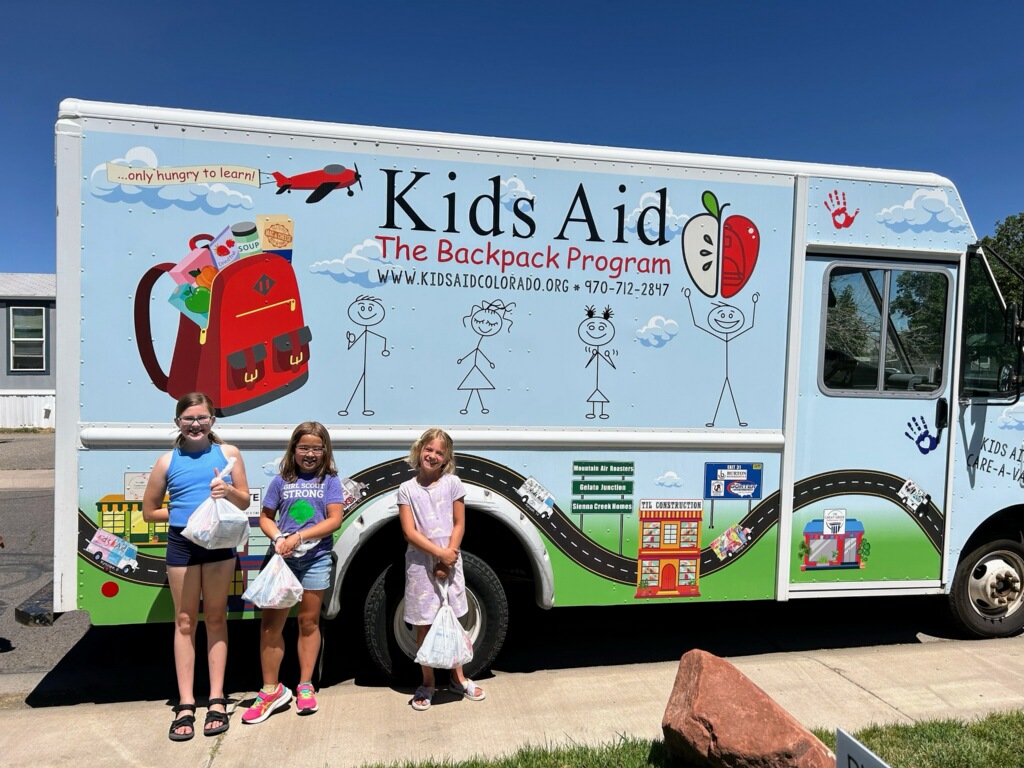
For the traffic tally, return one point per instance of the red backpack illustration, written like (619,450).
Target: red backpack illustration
(254,347)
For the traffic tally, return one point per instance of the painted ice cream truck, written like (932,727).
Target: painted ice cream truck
(753,368)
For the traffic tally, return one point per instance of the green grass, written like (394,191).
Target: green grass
(996,741)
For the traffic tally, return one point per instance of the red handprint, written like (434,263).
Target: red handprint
(836,205)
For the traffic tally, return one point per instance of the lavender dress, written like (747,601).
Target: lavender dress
(433,511)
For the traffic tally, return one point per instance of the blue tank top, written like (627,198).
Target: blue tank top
(188,480)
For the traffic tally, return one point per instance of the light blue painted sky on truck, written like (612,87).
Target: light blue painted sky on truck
(915,86)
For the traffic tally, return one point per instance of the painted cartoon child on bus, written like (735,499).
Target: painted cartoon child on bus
(486,319)
(726,323)
(366,311)
(597,331)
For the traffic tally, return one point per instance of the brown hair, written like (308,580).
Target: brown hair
(433,434)
(289,472)
(187,401)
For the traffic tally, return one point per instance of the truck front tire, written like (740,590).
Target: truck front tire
(391,643)
(987,598)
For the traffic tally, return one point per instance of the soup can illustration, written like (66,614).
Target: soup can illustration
(246,237)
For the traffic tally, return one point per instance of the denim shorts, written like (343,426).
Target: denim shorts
(312,574)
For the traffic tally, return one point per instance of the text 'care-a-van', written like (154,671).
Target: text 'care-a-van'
(669,378)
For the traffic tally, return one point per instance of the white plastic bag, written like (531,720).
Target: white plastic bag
(275,586)
(446,645)
(217,523)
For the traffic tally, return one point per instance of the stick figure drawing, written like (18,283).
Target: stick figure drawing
(486,319)
(725,322)
(365,311)
(597,331)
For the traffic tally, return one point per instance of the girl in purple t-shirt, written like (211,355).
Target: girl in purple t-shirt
(301,509)
(433,516)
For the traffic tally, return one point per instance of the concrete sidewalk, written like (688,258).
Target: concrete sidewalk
(848,688)
(26,478)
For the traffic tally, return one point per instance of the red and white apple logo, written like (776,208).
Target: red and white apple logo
(719,258)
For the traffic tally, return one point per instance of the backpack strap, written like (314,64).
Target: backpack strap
(143,328)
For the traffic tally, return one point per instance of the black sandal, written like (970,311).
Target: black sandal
(183,721)
(220,718)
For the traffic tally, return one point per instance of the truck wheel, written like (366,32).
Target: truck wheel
(986,597)
(391,642)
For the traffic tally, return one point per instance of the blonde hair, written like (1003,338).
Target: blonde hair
(434,433)
(187,401)
(289,472)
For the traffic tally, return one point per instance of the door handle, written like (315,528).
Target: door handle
(941,415)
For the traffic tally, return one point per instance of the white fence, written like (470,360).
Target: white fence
(27,408)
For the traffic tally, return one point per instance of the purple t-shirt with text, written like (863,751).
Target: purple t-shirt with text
(302,504)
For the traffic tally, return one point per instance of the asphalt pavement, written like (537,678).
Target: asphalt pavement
(73,693)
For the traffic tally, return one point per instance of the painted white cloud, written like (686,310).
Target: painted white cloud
(362,265)
(1012,417)
(669,480)
(673,222)
(513,189)
(658,332)
(273,468)
(927,210)
(212,198)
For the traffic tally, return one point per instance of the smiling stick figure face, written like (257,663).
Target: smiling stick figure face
(726,318)
(596,331)
(486,322)
(366,311)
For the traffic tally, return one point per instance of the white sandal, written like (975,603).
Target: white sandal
(465,688)
(421,699)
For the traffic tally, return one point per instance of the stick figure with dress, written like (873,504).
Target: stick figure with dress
(486,319)
(596,331)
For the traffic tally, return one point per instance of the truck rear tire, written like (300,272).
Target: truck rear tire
(987,598)
(391,643)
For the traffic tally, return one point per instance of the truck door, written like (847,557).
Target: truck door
(872,447)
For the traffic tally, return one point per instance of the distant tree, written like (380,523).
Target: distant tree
(1008,242)
(847,330)
(921,303)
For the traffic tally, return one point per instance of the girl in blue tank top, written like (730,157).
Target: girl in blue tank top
(188,475)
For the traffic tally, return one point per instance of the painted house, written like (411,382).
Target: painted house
(669,556)
(825,547)
(28,381)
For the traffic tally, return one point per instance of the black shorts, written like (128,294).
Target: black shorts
(181,551)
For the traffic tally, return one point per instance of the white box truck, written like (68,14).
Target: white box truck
(669,377)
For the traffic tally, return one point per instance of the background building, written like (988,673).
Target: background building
(28,319)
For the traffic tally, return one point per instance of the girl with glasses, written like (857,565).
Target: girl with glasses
(188,475)
(301,510)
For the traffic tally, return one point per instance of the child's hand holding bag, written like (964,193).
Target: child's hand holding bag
(275,586)
(217,523)
(446,645)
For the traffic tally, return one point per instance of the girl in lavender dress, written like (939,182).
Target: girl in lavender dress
(433,516)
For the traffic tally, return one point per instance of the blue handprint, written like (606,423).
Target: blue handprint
(917,431)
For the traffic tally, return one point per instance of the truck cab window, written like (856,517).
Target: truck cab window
(885,330)
(989,356)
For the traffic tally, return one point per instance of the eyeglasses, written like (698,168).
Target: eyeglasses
(194,419)
(317,449)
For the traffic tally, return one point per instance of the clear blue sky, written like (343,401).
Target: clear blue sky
(931,86)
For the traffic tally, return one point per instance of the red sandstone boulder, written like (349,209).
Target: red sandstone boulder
(717,717)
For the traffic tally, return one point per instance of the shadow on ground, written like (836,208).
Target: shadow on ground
(134,663)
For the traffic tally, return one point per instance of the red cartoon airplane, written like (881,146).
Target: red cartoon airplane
(322,183)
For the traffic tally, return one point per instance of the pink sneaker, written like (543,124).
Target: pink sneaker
(266,704)
(305,701)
